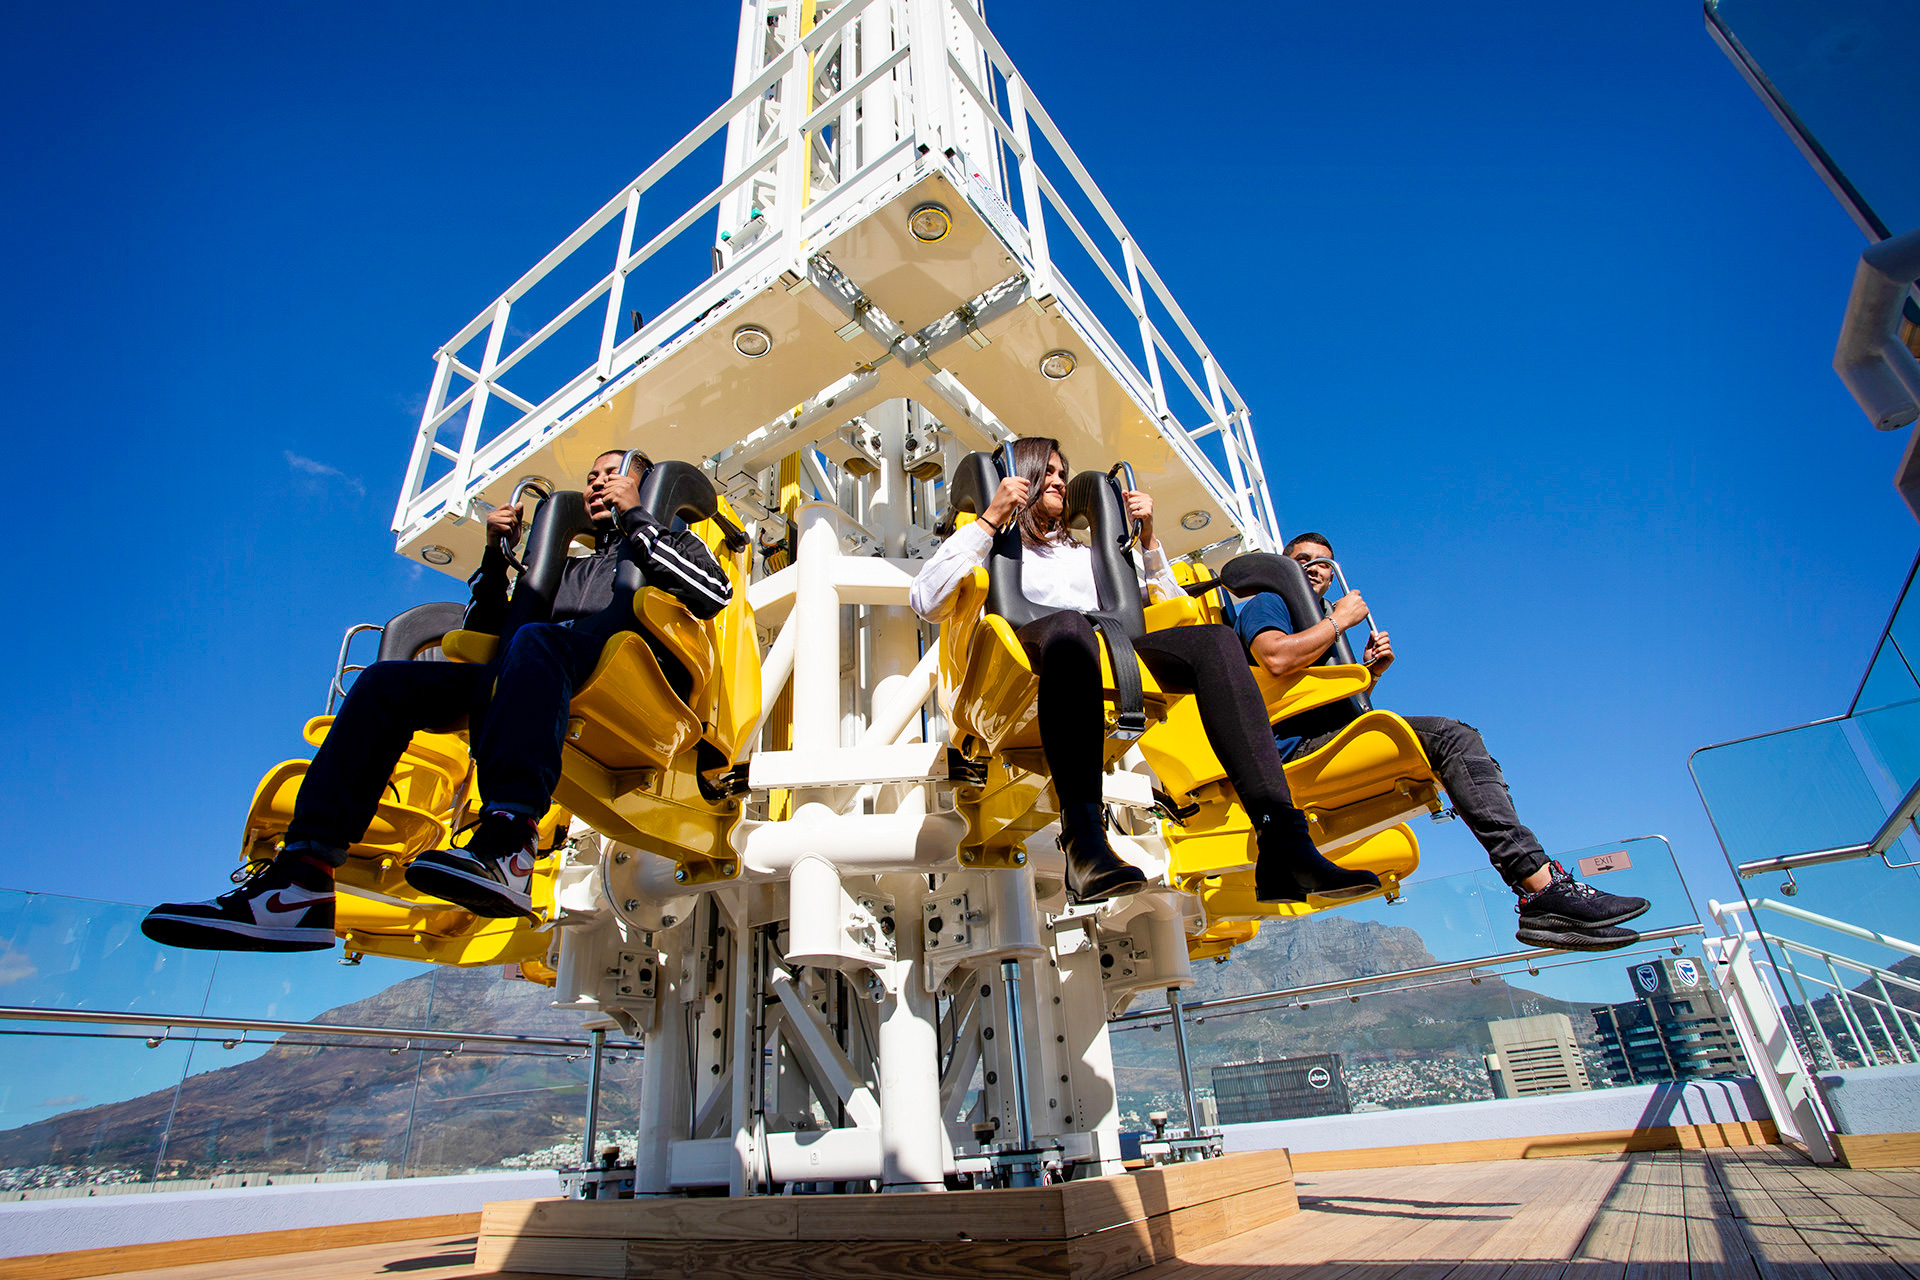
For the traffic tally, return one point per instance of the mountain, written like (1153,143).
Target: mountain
(1433,1037)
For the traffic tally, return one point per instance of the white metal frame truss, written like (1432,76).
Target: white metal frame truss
(931,89)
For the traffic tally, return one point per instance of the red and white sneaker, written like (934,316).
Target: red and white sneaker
(267,912)
(491,876)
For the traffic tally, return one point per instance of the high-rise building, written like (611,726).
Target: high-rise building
(1282,1090)
(1532,1056)
(1678,1028)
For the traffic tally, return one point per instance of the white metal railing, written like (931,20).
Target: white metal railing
(797,216)
(1897,1041)
(1781,1024)
(1762,1018)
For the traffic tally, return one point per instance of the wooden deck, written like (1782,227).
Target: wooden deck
(1724,1214)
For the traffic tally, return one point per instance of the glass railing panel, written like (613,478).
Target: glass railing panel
(87,1103)
(1890,741)
(1424,1039)
(75,953)
(84,1106)
(1791,792)
(512,1107)
(1845,69)
(1889,679)
(302,1106)
(1840,779)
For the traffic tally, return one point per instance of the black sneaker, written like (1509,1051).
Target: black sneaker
(1577,917)
(490,877)
(1593,937)
(267,912)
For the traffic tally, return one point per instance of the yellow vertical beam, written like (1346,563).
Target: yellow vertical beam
(808,11)
(780,723)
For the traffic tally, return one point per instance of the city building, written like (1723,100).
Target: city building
(1532,1056)
(1282,1090)
(1678,1028)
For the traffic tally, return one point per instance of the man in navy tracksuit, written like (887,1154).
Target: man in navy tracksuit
(516,709)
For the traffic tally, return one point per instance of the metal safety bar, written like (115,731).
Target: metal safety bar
(336,688)
(1373,628)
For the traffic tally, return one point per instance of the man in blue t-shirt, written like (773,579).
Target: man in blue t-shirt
(1555,909)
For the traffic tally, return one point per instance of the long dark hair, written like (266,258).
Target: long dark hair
(1029,457)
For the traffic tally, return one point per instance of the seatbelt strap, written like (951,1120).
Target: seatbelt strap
(1131,714)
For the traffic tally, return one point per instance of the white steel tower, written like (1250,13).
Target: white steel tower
(899,261)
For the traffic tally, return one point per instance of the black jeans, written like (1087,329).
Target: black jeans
(1207,661)
(518,723)
(1478,789)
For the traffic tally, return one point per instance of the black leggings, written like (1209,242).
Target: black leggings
(1207,661)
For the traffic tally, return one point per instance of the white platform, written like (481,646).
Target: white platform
(1648,1106)
(30,1227)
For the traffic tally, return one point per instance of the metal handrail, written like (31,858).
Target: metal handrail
(1890,830)
(115,1017)
(1838,926)
(1381,979)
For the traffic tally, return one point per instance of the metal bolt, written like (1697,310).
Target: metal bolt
(620,859)
(632,904)
(680,875)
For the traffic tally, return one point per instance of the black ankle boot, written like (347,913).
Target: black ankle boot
(1094,870)
(1290,869)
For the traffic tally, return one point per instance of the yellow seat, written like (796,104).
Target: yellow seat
(987,687)
(414,813)
(1392,855)
(1366,782)
(1217,941)
(641,763)
(987,683)
(378,913)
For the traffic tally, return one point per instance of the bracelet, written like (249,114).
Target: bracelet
(990,524)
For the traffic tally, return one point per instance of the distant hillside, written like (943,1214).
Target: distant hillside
(1437,1025)
(299,1108)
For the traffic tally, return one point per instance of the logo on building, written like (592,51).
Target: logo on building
(1687,972)
(1319,1077)
(1648,977)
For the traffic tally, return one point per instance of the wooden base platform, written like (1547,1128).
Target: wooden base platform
(1089,1230)
(1878,1150)
(1739,1213)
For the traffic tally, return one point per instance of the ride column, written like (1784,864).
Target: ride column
(912,1137)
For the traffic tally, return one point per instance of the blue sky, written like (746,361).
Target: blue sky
(1534,306)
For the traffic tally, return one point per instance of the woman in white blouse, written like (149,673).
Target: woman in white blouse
(1208,661)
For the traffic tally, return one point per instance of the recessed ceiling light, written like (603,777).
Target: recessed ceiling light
(436,554)
(1057,364)
(929,222)
(1195,520)
(751,341)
